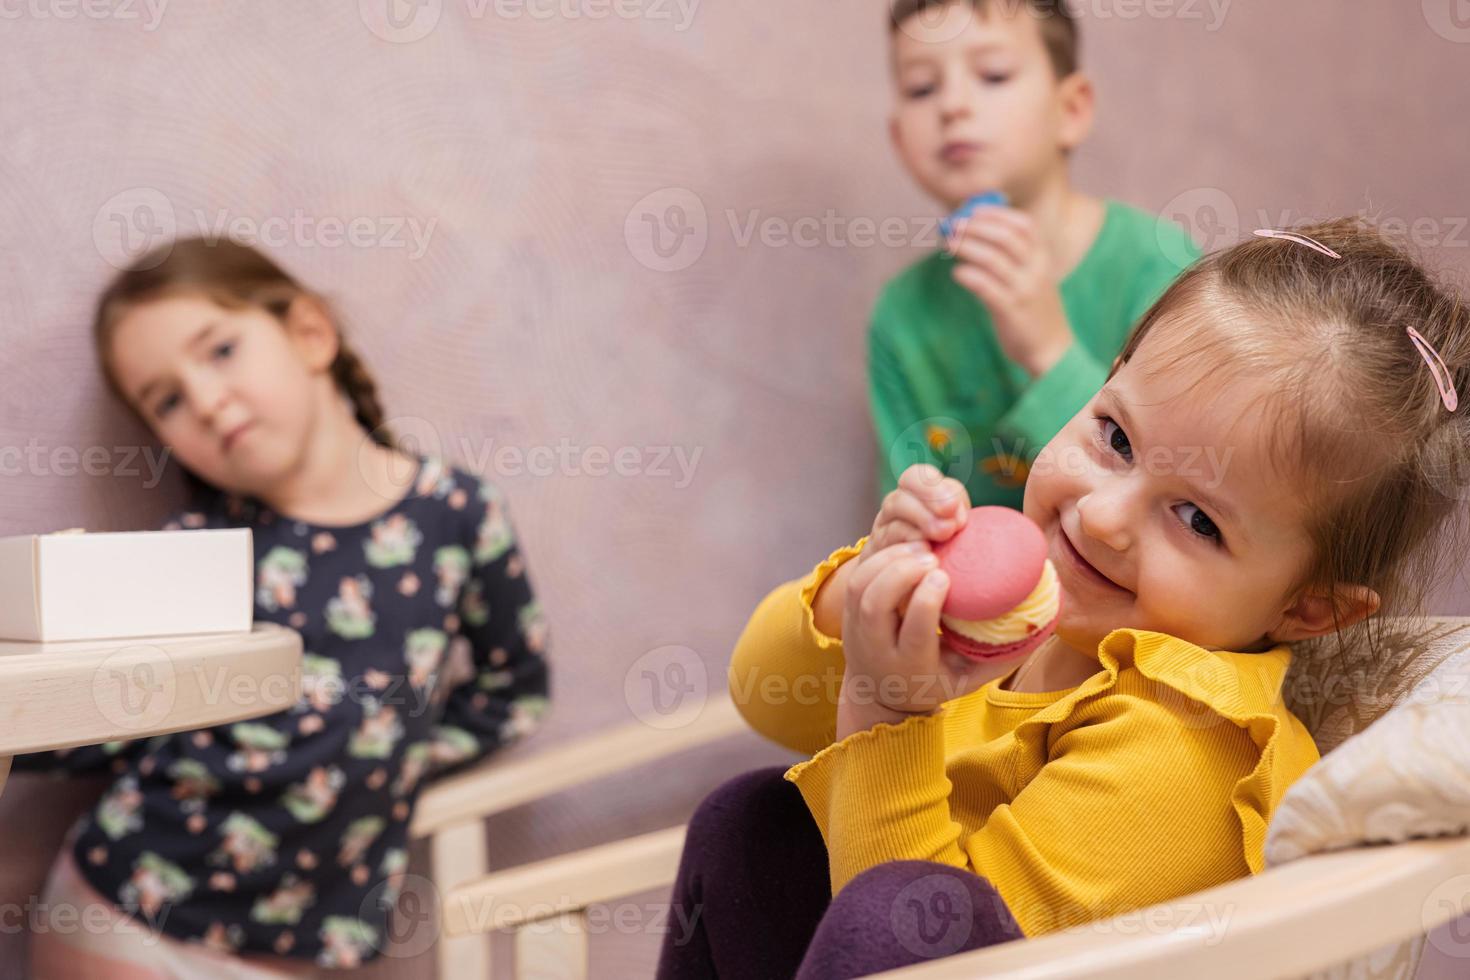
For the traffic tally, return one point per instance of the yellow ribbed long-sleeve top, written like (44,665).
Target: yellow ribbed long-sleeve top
(1152,779)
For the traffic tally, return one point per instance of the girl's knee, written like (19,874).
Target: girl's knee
(922,908)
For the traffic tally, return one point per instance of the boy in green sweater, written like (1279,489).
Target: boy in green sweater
(979,353)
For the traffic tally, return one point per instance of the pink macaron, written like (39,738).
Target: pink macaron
(994,563)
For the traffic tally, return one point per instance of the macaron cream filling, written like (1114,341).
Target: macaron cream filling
(1036,611)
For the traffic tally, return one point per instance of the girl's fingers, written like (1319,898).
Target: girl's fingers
(906,507)
(917,636)
(870,565)
(943,496)
(894,533)
(877,607)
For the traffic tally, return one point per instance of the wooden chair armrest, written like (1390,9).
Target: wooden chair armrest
(568,883)
(1296,918)
(1288,921)
(500,785)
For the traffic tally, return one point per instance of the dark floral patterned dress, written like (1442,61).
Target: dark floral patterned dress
(287,834)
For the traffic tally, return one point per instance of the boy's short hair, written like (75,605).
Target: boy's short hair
(1058,27)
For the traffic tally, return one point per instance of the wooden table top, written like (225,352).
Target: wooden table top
(83,692)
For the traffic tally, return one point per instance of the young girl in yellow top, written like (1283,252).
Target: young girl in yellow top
(1271,459)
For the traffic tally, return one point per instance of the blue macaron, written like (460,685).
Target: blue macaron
(988,199)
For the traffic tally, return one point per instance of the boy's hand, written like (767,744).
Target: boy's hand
(1000,259)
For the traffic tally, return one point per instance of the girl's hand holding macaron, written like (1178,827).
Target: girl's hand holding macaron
(894,593)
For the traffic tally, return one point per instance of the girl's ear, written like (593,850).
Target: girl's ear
(313,332)
(1312,614)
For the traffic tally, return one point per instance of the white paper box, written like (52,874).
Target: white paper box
(122,584)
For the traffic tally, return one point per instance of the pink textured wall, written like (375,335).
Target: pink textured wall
(529,151)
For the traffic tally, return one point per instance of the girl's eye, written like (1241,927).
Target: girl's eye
(994,78)
(165,405)
(919,91)
(1201,524)
(223,350)
(1118,440)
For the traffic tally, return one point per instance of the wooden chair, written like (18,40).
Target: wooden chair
(1304,916)
(451,812)
(1307,915)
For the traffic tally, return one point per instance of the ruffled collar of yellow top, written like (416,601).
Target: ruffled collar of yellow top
(1243,688)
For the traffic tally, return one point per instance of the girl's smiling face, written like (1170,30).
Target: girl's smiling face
(1164,510)
(233,393)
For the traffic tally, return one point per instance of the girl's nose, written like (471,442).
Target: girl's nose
(206,398)
(1104,516)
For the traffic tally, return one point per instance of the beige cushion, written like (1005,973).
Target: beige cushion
(1397,762)
(1336,697)
(1327,808)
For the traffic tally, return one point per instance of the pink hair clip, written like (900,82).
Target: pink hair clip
(1443,380)
(1446,388)
(1292,236)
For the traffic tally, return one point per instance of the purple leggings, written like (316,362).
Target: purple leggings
(754,892)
